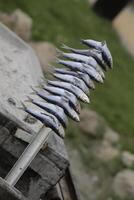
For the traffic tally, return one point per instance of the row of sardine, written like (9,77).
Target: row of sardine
(60,98)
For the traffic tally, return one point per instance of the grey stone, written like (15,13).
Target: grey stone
(91,123)
(19,22)
(111,136)
(127,159)
(22,24)
(106,152)
(6,19)
(123,184)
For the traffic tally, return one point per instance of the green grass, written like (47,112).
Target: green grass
(69,20)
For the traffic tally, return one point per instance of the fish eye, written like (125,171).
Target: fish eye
(103,43)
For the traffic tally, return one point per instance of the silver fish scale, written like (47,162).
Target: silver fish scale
(71,88)
(74,80)
(48,120)
(87,80)
(61,101)
(62,92)
(57,111)
(85,66)
(96,54)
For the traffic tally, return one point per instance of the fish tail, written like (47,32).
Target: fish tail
(29,99)
(50,68)
(51,72)
(57,60)
(59,52)
(34,91)
(82,41)
(22,107)
(43,80)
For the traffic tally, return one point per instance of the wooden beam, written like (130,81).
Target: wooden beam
(109,8)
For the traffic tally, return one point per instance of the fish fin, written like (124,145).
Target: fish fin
(97,51)
(82,40)
(57,60)
(51,116)
(65,47)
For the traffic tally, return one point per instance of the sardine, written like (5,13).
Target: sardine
(93,73)
(71,88)
(73,101)
(88,81)
(61,101)
(85,52)
(57,111)
(101,46)
(92,43)
(96,54)
(74,80)
(106,55)
(80,58)
(77,66)
(85,59)
(86,78)
(65,71)
(48,120)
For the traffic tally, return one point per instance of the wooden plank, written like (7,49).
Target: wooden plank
(109,8)
(9,193)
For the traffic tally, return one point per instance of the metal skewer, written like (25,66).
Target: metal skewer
(28,155)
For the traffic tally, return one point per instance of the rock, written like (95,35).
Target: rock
(111,136)
(91,123)
(46,53)
(22,24)
(19,22)
(127,159)
(123,184)
(6,19)
(106,152)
